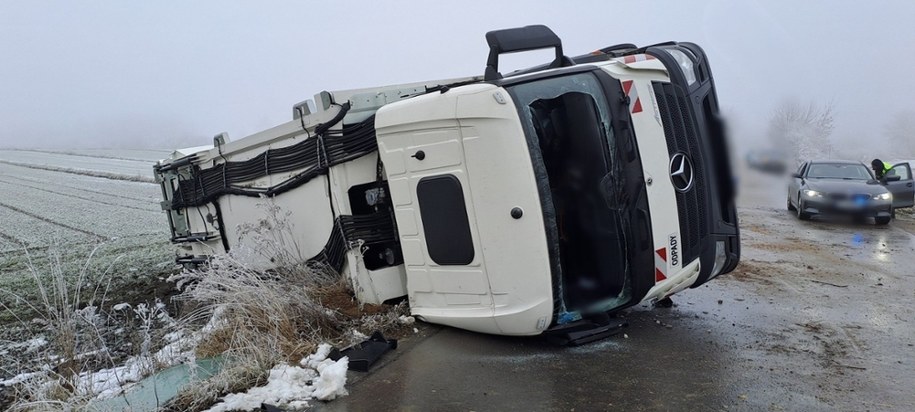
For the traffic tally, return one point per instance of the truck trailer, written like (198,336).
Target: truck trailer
(542,200)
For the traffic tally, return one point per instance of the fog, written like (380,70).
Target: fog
(134,74)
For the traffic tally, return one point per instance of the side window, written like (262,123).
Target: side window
(800,170)
(902,170)
(445,223)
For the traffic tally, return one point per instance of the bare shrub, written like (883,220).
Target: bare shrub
(270,241)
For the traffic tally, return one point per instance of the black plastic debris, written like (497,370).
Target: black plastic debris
(584,331)
(664,303)
(363,355)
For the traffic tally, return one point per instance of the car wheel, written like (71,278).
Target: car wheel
(881,220)
(791,207)
(800,209)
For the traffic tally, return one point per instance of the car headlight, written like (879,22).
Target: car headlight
(812,193)
(686,65)
(884,196)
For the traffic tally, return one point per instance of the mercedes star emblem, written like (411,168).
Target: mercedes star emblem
(681,172)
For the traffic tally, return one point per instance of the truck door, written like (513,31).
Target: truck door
(430,191)
(467,211)
(903,190)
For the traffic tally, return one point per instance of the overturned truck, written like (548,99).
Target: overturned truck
(541,200)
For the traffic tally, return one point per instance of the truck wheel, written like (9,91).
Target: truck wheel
(881,220)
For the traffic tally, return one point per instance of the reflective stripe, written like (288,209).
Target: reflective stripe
(660,264)
(635,105)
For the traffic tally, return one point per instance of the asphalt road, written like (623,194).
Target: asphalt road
(818,316)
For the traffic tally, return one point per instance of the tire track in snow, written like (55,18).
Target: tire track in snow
(84,172)
(44,219)
(12,239)
(77,197)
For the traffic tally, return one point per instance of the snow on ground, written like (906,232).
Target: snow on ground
(111,382)
(107,383)
(291,387)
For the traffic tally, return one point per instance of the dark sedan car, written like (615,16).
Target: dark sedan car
(848,188)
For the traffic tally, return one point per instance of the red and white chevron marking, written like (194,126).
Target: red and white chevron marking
(660,264)
(637,58)
(635,105)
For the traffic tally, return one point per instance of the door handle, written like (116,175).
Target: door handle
(909,185)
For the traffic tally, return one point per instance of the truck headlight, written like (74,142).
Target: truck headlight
(812,193)
(686,65)
(884,196)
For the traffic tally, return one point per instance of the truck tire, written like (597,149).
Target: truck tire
(881,220)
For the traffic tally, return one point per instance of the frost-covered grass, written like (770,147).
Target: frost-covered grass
(136,265)
(65,342)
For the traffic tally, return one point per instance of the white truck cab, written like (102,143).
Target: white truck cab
(538,201)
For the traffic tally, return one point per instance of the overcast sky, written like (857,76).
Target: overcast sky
(165,73)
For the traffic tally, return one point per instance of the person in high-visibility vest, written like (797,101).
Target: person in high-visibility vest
(881,168)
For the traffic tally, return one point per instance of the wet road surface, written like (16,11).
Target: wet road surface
(818,316)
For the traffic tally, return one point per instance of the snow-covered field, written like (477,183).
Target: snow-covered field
(40,206)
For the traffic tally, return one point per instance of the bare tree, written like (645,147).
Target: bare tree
(802,131)
(901,133)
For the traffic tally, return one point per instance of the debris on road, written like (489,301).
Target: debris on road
(827,283)
(363,355)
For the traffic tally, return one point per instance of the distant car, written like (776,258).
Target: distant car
(830,187)
(767,161)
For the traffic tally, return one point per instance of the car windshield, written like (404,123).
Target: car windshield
(839,171)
